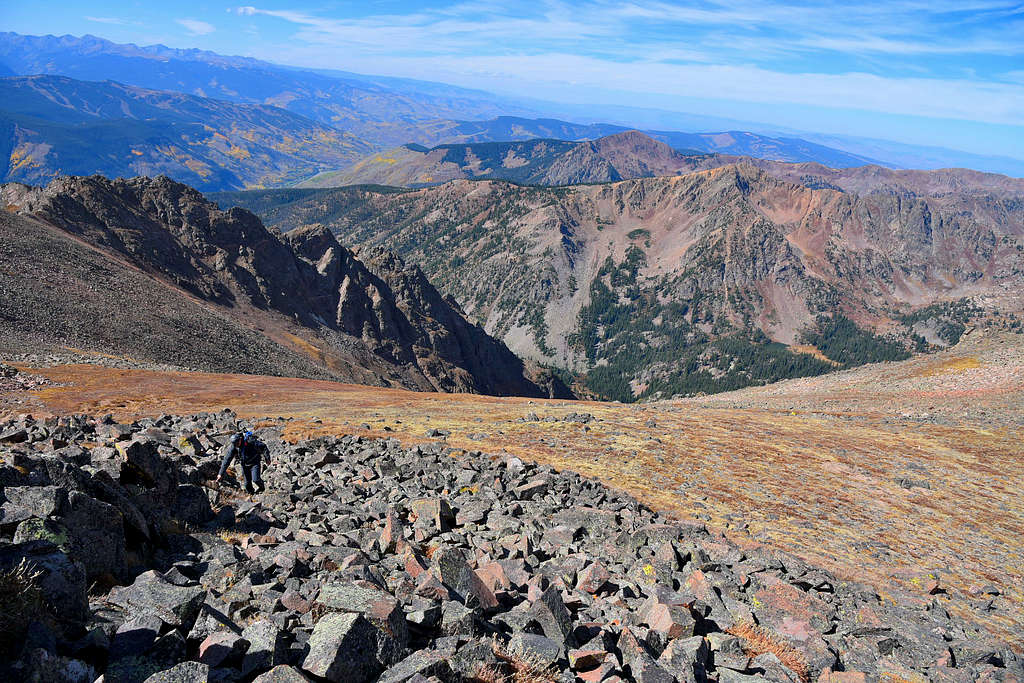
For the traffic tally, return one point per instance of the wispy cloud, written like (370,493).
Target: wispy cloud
(196,27)
(935,57)
(113,21)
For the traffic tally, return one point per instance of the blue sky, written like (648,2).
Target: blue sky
(941,72)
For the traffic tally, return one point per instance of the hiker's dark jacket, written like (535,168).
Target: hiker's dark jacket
(248,452)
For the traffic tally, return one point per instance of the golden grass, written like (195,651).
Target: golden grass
(951,365)
(758,640)
(525,668)
(23,602)
(812,350)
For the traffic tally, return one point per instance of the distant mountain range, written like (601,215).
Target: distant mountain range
(632,154)
(56,125)
(149,268)
(53,125)
(387,112)
(541,161)
(534,162)
(380,110)
(504,128)
(656,286)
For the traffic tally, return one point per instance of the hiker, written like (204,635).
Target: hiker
(248,449)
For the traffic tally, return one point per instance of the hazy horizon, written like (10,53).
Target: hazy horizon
(940,74)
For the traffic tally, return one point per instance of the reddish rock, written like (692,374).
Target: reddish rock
(414,565)
(585,660)
(830,676)
(593,578)
(494,577)
(429,586)
(671,620)
(392,532)
(221,647)
(295,602)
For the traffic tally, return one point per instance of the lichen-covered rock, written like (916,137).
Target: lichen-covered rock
(186,672)
(24,502)
(343,647)
(152,594)
(282,674)
(61,580)
(267,647)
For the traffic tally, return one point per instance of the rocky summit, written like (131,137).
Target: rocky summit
(368,561)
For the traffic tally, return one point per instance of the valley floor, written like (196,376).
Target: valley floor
(897,474)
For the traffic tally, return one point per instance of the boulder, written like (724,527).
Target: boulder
(61,580)
(535,648)
(222,647)
(379,608)
(191,504)
(282,674)
(135,636)
(686,659)
(343,647)
(41,666)
(143,464)
(24,502)
(267,646)
(424,664)
(96,535)
(152,594)
(186,672)
(551,615)
(432,513)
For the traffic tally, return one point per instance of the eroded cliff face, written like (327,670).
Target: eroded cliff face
(576,276)
(381,318)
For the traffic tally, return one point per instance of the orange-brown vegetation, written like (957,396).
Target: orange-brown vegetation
(758,640)
(882,474)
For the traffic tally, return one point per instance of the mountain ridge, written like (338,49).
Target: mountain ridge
(542,161)
(637,278)
(371,319)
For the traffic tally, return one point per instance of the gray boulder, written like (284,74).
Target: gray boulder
(152,594)
(186,672)
(24,502)
(282,674)
(267,646)
(96,534)
(61,580)
(343,647)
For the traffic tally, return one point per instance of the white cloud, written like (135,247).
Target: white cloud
(196,27)
(864,56)
(113,21)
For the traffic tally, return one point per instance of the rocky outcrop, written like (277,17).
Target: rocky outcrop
(378,322)
(366,561)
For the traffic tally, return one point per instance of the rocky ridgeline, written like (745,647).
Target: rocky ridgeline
(367,561)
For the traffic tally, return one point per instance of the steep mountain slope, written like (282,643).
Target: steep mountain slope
(534,162)
(54,124)
(51,296)
(663,284)
(375,321)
